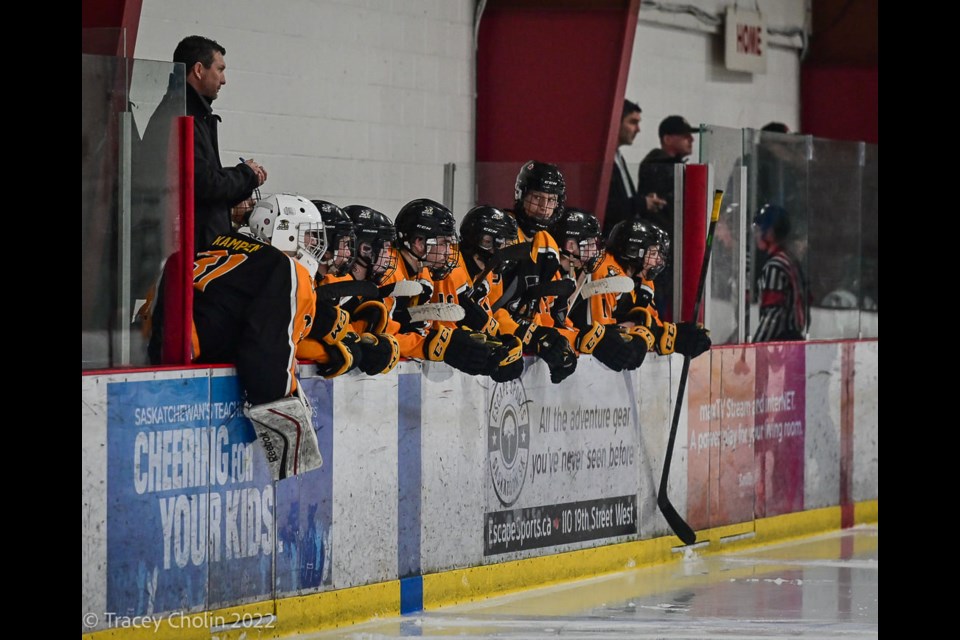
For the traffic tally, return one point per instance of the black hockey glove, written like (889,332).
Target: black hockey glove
(343,355)
(692,339)
(458,348)
(476,317)
(664,337)
(369,317)
(641,341)
(507,358)
(330,323)
(551,347)
(609,347)
(640,316)
(641,335)
(381,353)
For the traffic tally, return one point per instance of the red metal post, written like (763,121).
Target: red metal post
(693,235)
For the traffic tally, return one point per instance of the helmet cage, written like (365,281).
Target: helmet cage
(592,252)
(548,181)
(584,229)
(441,256)
(343,253)
(293,225)
(633,242)
(378,257)
(434,224)
(376,242)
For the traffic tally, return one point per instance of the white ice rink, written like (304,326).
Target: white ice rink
(823,587)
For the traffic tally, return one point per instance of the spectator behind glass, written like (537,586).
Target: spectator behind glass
(623,202)
(656,176)
(776,127)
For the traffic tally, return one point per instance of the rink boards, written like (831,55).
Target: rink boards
(439,487)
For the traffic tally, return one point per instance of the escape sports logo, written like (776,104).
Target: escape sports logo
(508,440)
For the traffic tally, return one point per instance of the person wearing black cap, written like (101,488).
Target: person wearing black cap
(656,176)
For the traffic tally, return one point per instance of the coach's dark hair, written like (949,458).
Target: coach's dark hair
(194,49)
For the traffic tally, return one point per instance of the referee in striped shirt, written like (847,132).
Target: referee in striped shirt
(784,308)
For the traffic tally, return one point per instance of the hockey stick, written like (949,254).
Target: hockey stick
(673,518)
(348,289)
(510,252)
(442,311)
(572,300)
(527,307)
(401,289)
(561,287)
(610,284)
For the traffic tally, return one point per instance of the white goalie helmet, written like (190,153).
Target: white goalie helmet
(292,224)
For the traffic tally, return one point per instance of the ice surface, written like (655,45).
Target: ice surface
(823,587)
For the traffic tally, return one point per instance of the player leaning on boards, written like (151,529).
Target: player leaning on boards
(539,196)
(484,232)
(539,199)
(334,343)
(253,302)
(428,250)
(641,250)
(582,253)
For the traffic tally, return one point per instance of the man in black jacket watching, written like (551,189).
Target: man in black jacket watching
(623,201)
(656,175)
(216,189)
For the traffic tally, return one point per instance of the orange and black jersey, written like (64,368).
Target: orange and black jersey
(642,296)
(599,308)
(311,347)
(411,342)
(252,304)
(460,283)
(513,293)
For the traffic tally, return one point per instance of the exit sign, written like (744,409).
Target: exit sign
(746,41)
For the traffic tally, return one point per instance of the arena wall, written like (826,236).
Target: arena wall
(439,487)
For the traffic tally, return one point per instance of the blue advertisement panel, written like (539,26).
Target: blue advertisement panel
(193,519)
(242,540)
(161,450)
(305,507)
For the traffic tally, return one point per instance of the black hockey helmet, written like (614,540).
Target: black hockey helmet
(773,216)
(630,242)
(430,220)
(544,178)
(341,240)
(484,230)
(376,240)
(583,228)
